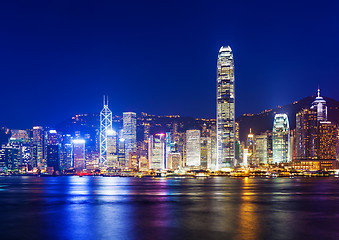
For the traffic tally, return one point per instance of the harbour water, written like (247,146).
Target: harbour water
(72,207)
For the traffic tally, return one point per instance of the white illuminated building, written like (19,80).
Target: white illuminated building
(130,133)
(225,109)
(112,149)
(156,151)
(319,105)
(193,153)
(281,139)
(105,124)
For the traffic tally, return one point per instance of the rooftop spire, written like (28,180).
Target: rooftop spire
(318,91)
(105,100)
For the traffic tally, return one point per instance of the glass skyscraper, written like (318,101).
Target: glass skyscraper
(225,109)
(281,139)
(193,153)
(130,133)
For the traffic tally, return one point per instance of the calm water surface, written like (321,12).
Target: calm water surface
(150,208)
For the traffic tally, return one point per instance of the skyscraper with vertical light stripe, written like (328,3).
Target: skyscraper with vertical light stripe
(225,109)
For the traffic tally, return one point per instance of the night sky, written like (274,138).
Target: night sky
(58,58)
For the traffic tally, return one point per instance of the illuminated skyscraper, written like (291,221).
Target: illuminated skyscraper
(327,141)
(319,105)
(307,134)
(251,156)
(261,148)
(205,152)
(193,150)
(66,160)
(225,109)
(156,151)
(112,150)
(37,146)
(281,139)
(130,133)
(105,124)
(168,147)
(53,150)
(79,154)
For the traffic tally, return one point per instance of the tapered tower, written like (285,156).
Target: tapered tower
(225,109)
(105,124)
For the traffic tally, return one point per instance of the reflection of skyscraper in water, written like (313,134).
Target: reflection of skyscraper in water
(225,108)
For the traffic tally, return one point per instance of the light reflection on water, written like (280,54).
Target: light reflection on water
(148,208)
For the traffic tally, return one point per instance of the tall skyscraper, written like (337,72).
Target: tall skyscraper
(327,141)
(193,151)
(79,154)
(281,139)
(121,150)
(262,148)
(168,147)
(251,146)
(105,124)
(37,146)
(319,105)
(205,152)
(156,151)
(53,150)
(112,149)
(306,134)
(130,133)
(225,108)
(66,160)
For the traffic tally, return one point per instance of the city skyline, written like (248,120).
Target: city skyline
(63,60)
(169,119)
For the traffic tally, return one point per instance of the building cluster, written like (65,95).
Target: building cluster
(141,143)
(312,145)
(130,145)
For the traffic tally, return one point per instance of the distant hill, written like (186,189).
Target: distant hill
(263,121)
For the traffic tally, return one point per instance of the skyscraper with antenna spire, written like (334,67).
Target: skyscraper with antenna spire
(105,125)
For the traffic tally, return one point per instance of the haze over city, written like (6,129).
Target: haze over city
(59,58)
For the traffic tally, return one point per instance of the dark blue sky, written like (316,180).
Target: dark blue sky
(57,58)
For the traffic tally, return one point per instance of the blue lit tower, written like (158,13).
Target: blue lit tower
(105,124)
(225,109)
(130,133)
